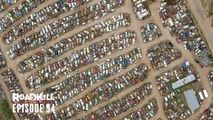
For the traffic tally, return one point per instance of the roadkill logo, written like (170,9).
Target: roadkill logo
(33,103)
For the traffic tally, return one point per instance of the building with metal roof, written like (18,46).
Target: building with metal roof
(183,81)
(191,100)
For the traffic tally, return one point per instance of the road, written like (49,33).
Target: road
(204,23)
(136,26)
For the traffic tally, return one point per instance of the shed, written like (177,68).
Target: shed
(205,93)
(201,95)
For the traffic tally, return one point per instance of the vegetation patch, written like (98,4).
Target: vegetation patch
(5,110)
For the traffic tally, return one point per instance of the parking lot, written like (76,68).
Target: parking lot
(112,51)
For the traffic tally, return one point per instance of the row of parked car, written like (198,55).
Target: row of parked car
(162,54)
(121,105)
(85,56)
(4,4)
(62,26)
(11,81)
(89,76)
(141,9)
(3,62)
(147,112)
(80,57)
(99,94)
(17,12)
(150,32)
(179,21)
(49,12)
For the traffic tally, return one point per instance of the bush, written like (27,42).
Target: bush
(5,109)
